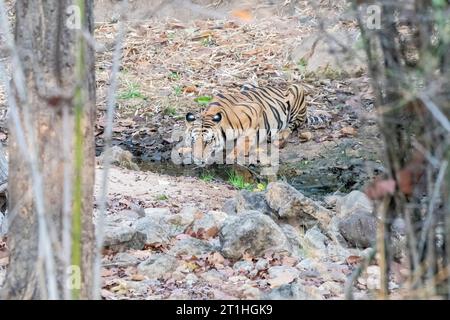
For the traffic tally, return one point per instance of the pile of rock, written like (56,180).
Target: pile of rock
(280,220)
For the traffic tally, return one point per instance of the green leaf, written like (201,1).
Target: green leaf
(203,100)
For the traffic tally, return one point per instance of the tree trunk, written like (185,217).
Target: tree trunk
(47,48)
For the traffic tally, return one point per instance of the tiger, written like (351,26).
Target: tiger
(234,115)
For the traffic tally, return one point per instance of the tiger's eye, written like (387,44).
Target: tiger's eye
(190,117)
(217,118)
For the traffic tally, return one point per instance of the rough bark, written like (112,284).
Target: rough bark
(46,47)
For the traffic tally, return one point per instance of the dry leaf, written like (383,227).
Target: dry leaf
(348,131)
(107,272)
(190,89)
(352,260)
(216,259)
(380,188)
(211,233)
(107,294)
(288,261)
(4,261)
(137,277)
(305,136)
(244,15)
(247,257)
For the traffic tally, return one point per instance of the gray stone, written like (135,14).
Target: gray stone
(315,239)
(293,236)
(191,279)
(210,220)
(157,212)
(352,202)
(287,202)
(251,232)
(243,266)
(280,271)
(212,276)
(120,234)
(153,229)
(229,206)
(158,266)
(248,200)
(191,247)
(119,157)
(261,264)
(292,291)
(3,225)
(126,259)
(359,229)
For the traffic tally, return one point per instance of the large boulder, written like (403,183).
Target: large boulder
(190,246)
(352,202)
(120,233)
(288,203)
(359,229)
(247,200)
(159,265)
(291,291)
(207,225)
(251,232)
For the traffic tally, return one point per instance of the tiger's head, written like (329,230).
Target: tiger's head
(204,135)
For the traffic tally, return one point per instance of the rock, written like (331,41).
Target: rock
(120,234)
(243,266)
(261,264)
(373,277)
(180,222)
(352,202)
(292,291)
(159,265)
(328,56)
(334,288)
(119,157)
(359,229)
(191,247)
(337,253)
(282,271)
(332,200)
(398,239)
(153,230)
(229,206)
(125,259)
(191,279)
(157,212)
(250,293)
(3,224)
(306,264)
(287,202)
(248,200)
(315,239)
(213,276)
(2,275)
(179,294)
(209,224)
(293,237)
(251,232)
(334,233)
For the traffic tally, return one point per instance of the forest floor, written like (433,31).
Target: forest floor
(168,66)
